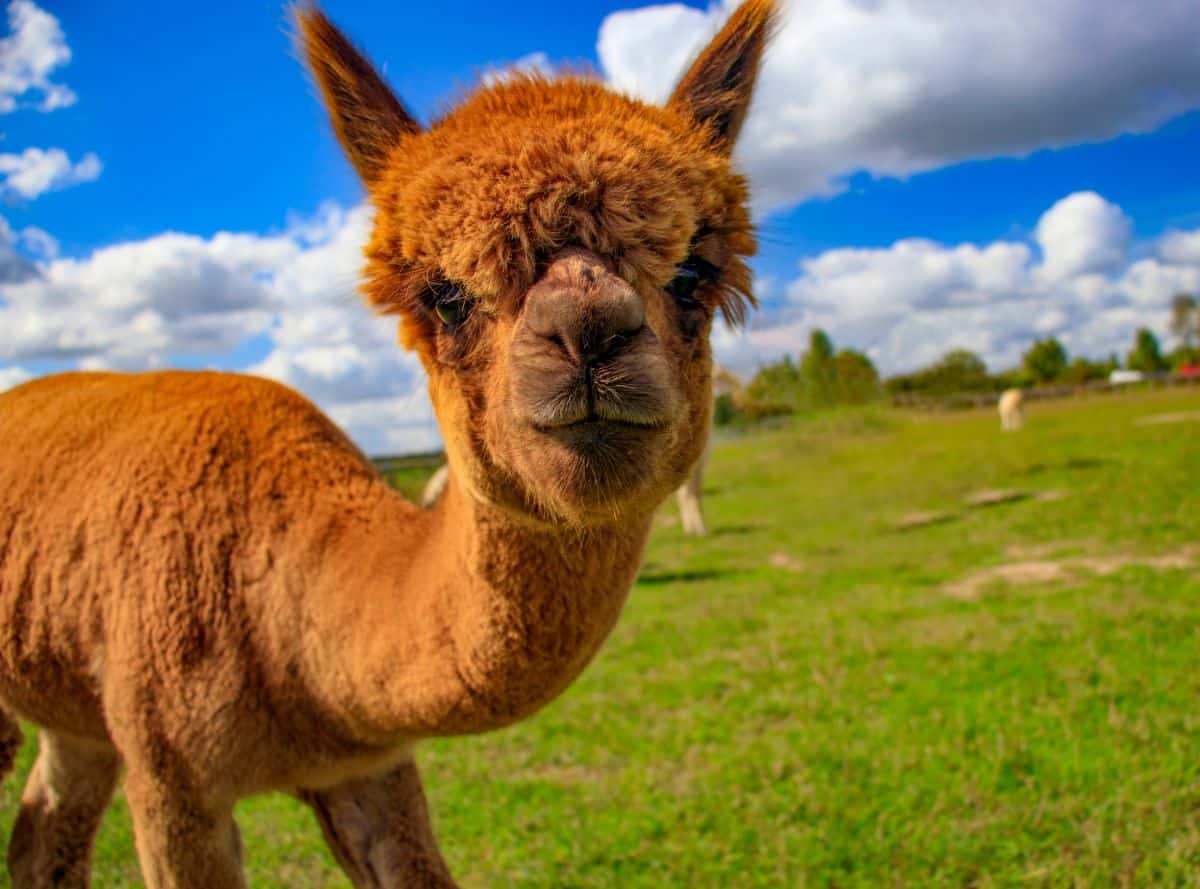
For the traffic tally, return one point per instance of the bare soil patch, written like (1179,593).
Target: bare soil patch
(1038,571)
(1164,419)
(786,562)
(1050,496)
(994,496)
(912,520)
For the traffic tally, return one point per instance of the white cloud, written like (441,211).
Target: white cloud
(149,303)
(39,242)
(1082,234)
(36,171)
(907,304)
(34,47)
(138,303)
(14,267)
(13,376)
(644,51)
(1182,248)
(896,87)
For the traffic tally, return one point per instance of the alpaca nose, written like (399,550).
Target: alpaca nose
(585,310)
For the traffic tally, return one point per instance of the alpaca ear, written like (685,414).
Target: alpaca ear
(716,90)
(366,115)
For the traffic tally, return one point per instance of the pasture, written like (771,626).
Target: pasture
(861,679)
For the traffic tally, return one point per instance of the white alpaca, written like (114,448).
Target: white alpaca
(1012,409)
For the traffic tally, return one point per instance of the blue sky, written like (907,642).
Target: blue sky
(927,175)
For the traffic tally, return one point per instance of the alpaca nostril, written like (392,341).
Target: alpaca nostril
(608,346)
(586,330)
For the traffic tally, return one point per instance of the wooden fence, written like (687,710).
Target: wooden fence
(968,400)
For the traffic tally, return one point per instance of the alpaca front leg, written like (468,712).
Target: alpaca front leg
(380,833)
(182,843)
(65,797)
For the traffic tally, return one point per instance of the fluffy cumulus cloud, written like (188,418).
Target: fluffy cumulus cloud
(34,47)
(1079,278)
(896,87)
(32,50)
(14,265)
(13,376)
(1082,234)
(180,297)
(1182,248)
(36,171)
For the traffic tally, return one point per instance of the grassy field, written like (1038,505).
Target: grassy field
(859,680)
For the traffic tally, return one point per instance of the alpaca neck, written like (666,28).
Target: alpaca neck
(467,618)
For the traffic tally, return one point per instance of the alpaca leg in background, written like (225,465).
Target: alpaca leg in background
(380,833)
(434,487)
(690,495)
(65,797)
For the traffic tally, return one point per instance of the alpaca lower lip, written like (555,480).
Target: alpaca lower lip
(596,422)
(599,433)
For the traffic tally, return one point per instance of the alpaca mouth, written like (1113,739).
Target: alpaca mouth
(585,406)
(601,459)
(595,420)
(599,434)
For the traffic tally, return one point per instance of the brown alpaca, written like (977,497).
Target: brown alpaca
(203,581)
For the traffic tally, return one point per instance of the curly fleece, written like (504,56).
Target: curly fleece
(529,166)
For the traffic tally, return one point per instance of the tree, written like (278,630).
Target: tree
(724,410)
(1180,357)
(774,388)
(1081,371)
(857,378)
(817,371)
(1145,356)
(957,371)
(1046,360)
(1185,319)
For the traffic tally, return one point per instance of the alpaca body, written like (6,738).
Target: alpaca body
(194,593)
(235,602)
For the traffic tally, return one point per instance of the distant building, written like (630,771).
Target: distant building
(1118,377)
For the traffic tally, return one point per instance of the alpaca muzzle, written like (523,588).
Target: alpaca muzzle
(584,355)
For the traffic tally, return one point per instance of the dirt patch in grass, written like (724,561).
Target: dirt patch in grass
(1165,419)
(785,562)
(911,520)
(994,496)
(1040,571)
(1050,496)
(1021,552)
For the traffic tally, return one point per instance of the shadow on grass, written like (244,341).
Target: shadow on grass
(1070,464)
(731,530)
(656,578)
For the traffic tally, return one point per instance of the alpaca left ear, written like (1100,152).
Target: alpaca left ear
(717,88)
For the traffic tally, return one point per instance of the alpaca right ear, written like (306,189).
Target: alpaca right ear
(366,115)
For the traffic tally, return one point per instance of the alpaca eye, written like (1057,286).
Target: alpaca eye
(683,286)
(452,305)
(689,275)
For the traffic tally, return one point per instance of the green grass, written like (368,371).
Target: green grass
(797,701)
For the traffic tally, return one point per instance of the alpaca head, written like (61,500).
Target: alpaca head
(556,253)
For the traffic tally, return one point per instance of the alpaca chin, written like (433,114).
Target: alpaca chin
(595,470)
